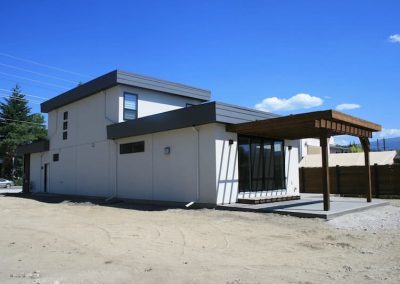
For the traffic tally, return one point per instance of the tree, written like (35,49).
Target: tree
(355,148)
(17,127)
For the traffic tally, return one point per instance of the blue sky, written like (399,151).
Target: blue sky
(284,56)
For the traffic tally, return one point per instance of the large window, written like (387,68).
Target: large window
(130,106)
(261,164)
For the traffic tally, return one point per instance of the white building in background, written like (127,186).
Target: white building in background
(128,136)
(349,159)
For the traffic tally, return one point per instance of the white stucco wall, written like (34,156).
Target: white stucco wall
(153,175)
(152,102)
(87,163)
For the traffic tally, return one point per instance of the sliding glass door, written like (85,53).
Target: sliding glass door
(261,164)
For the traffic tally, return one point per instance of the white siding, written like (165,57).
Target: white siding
(227,174)
(87,164)
(152,102)
(153,175)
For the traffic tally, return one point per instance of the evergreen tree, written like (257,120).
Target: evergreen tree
(17,127)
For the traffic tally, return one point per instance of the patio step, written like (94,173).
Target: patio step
(266,199)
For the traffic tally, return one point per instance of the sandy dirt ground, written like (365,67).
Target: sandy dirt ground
(71,242)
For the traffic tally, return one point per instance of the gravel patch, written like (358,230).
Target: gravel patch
(381,218)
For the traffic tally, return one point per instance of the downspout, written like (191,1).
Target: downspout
(196,130)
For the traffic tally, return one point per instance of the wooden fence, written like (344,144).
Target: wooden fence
(352,181)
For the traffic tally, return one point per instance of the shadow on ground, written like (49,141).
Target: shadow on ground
(115,203)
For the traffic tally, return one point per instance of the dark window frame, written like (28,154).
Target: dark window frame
(56,157)
(137,107)
(65,135)
(278,181)
(65,125)
(132,147)
(65,115)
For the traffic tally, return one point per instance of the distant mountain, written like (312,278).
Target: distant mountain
(390,144)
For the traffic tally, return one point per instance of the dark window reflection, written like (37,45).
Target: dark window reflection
(261,164)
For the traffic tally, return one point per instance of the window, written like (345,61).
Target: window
(261,164)
(129,148)
(130,106)
(65,126)
(56,157)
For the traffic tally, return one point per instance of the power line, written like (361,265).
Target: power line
(5,90)
(38,73)
(22,100)
(43,65)
(22,121)
(33,80)
(35,85)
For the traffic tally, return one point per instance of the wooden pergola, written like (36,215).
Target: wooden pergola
(319,124)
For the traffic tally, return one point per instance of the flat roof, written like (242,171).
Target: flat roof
(118,77)
(204,113)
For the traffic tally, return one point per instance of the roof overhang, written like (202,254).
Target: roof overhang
(118,77)
(307,125)
(204,113)
(34,147)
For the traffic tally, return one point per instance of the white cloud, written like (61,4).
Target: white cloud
(388,133)
(299,101)
(347,106)
(395,38)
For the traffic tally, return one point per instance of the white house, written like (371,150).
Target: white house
(133,137)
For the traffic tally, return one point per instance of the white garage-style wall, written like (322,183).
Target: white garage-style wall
(185,174)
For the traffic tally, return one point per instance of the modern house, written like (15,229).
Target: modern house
(128,136)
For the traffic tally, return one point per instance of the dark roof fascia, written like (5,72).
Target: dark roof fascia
(140,81)
(82,91)
(205,113)
(123,78)
(34,147)
(170,120)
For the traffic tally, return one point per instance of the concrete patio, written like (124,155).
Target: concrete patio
(309,206)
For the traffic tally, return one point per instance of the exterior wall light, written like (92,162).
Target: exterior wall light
(167,150)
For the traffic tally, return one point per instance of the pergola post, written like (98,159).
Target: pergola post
(324,142)
(366,147)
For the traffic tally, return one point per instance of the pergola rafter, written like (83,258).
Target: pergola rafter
(319,124)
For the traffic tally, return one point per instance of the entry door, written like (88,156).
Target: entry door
(46,177)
